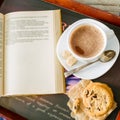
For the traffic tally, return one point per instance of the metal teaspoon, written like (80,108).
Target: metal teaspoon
(105,57)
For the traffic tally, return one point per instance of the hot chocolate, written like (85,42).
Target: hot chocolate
(86,41)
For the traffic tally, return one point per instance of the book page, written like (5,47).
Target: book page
(29,53)
(1,53)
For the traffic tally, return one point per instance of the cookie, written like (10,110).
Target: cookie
(97,99)
(76,105)
(105,86)
(86,91)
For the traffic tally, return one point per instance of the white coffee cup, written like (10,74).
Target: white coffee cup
(86,41)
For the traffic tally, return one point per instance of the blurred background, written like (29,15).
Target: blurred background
(112,6)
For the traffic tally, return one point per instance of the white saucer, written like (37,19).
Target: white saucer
(97,69)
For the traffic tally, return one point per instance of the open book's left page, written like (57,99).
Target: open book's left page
(30,59)
(1,53)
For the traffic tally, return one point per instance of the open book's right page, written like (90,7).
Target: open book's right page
(30,61)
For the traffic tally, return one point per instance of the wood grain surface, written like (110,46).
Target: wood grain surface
(87,10)
(111,6)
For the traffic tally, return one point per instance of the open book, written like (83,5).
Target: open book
(28,62)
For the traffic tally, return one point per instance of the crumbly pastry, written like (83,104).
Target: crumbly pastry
(91,100)
(76,105)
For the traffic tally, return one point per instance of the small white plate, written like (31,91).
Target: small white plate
(97,69)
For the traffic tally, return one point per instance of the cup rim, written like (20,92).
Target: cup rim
(92,58)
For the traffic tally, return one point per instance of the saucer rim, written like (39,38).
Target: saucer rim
(105,28)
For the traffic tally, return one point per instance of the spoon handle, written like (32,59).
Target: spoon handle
(68,73)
